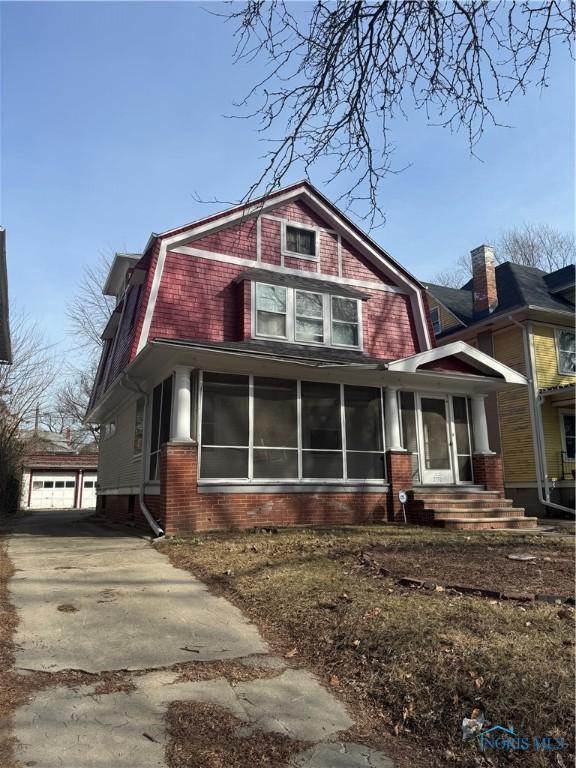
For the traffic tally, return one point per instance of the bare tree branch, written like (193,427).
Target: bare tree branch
(338,73)
(533,245)
(89,310)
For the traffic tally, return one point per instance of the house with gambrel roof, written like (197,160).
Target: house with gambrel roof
(272,364)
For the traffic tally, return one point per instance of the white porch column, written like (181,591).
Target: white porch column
(392,420)
(181,406)
(480,425)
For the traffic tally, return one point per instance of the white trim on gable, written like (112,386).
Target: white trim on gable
(341,226)
(463,351)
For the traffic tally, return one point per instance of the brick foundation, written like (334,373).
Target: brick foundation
(488,471)
(399,472)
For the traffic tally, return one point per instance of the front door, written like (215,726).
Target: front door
(435,443)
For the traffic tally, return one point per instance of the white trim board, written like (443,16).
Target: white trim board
(455,348)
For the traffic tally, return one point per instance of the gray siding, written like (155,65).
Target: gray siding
(117,467)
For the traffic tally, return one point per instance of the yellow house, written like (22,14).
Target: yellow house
(523,317)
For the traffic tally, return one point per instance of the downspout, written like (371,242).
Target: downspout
(537,427)
(127,383)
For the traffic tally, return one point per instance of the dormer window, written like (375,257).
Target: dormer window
(435,318)
(299,241)
(271,311)
(306,317)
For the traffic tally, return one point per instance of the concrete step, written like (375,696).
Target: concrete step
(489,523)
(477,514)
(457,503)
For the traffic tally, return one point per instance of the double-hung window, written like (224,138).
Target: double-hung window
(344,322)
(309,317)
(271,310)
(435,318)
(566,348)
(306,317)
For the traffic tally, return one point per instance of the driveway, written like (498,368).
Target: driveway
(99,600)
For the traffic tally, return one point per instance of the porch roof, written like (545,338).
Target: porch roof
(560,395)
(278,360)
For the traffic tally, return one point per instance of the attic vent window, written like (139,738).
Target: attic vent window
(300,241)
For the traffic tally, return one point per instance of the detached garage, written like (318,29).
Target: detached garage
(59,481)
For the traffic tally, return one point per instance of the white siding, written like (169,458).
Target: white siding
(117,466)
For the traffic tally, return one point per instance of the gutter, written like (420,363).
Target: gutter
(132,386)
(536,420)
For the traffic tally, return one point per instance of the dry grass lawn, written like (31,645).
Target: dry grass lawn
(411,664)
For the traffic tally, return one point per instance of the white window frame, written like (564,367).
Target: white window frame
(561,413)
(557,332)
(137,454)
(437,322)
(289,313)
(109,429)
(290,337)
(300,480)
(295,254)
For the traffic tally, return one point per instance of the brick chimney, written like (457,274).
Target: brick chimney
(485,296)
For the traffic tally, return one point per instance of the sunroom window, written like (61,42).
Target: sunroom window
(257,429)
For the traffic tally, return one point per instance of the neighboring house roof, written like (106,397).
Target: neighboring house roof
(87,461)
(457,300)
(5,343)
(517,286)
(48,442)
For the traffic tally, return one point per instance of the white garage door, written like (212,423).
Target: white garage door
(88,500)
(53,491)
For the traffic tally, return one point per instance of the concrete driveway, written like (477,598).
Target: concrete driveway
(98,600)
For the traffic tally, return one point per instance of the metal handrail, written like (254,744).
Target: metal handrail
(568,465)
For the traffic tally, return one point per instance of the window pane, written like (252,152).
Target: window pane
(321,424)
(48,484)
(322,464)
(274,463)
(461,425)
(568,420)
(155,428)
(309,304)
(301,241)
(409,439)
(37,484)
(269,324)
(365,466)
(275,413)
(309,330)
(139,425)
(342,333)
(154,466)
(345,309)
(70,484)
(464,469)
(225,410)
(567,362)
(224,462)
(270,298)
(567,341)
(59,484)
(363,418)
(166,414)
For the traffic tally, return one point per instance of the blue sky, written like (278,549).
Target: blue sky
(112,117)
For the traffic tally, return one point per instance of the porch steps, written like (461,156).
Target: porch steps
(470,508)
